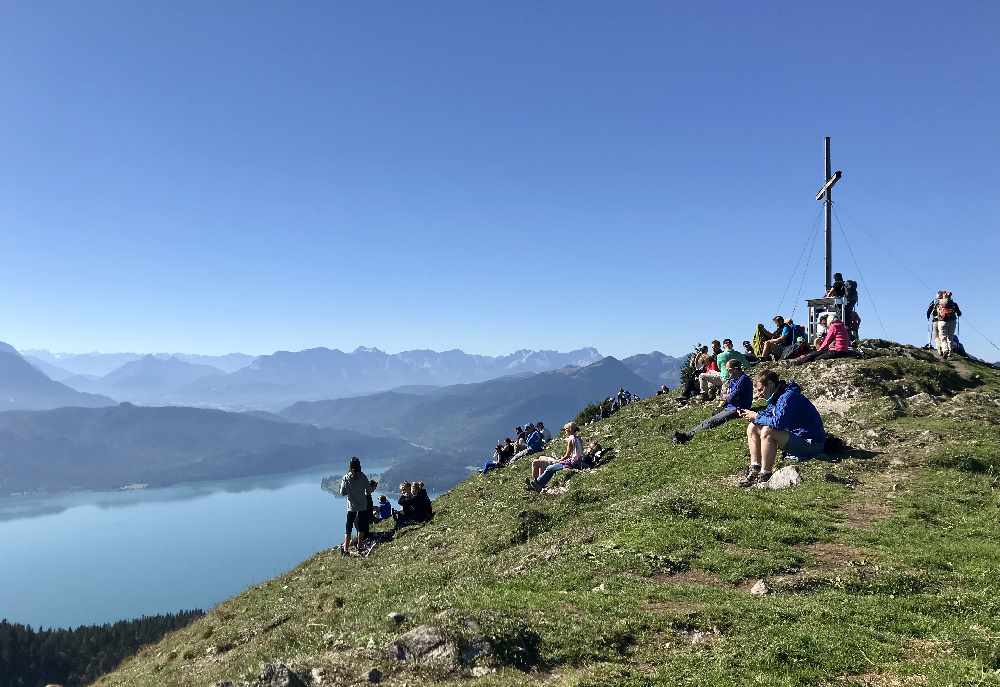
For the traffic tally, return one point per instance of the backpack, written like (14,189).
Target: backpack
(798,331)
(945,310)
(834,445)
(851,292)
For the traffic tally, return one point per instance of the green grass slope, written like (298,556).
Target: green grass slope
(882,567)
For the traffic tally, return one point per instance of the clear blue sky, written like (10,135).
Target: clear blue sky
(221,176)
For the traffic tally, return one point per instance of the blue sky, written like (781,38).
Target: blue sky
(210,177)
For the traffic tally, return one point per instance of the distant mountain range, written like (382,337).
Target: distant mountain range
(274,381)
(61,366)
(23,386)
(92,443)
(466,420)
(150,379)
(657,367)
(100,448)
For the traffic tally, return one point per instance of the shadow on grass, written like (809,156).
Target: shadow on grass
(520,649)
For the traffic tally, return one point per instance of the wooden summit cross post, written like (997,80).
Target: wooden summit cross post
(826,195)
(815,306)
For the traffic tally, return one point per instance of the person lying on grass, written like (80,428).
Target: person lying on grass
(738,396)
(789,421)
(543,469)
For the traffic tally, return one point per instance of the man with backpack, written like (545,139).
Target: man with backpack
(944,313)
(851,318)
(782,338)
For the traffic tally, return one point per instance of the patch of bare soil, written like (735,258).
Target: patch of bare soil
(692,577)
(829,556)
(874,496)
(680,608)
(881,680)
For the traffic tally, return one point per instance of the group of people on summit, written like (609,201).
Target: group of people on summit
(788,421)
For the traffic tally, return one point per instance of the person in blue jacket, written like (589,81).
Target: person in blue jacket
(738,396)
(533,444)
(789,421)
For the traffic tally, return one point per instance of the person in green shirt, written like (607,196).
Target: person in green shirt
(729,354)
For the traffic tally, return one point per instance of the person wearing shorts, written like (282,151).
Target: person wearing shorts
(355,486)
(789,421)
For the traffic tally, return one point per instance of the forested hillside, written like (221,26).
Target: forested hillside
(73,658)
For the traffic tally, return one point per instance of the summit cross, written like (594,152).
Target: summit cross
(826,195)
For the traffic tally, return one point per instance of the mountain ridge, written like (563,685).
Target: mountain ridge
(25,387)
(108,447)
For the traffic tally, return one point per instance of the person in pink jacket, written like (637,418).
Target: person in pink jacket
(836,344)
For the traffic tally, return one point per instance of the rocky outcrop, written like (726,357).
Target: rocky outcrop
(424,644)
(271,675)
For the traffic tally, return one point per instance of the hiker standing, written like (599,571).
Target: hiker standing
(355,486)
(944,313)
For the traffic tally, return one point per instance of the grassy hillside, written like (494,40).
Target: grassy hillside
(881,567)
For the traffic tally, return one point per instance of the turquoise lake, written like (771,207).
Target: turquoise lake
(95,557)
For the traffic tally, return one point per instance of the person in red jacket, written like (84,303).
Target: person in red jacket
(836,344)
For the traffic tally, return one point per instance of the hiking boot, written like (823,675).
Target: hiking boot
(531,485)
(681,438)
(763,478)
(750,478)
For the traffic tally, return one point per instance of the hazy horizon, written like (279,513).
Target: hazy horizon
(54,352)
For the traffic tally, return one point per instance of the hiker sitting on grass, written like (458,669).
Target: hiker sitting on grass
(532,444)
(372,488)
(546,434)
(748,353)
(354,485)
(423,511)
(696,365)
(710,381)
(782,338)
(789,421)
(730,353)
(739,396)
(836,344)
(594,454)
(542,469)
(415,504)
(822,326)
(384,509)
(406,505)
(502,454)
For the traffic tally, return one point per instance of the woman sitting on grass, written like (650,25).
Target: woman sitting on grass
(542,469)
